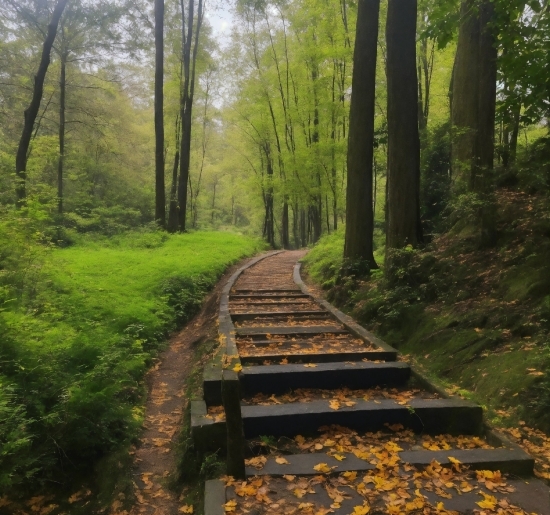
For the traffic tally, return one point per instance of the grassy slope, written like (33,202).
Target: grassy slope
(75,353)
(476,320)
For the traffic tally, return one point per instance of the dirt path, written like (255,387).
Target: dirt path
(155,458)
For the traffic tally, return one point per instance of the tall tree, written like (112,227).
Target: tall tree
(160,195)
(359,208)
(473,108)
(32,111)
(190,42)
(403,224)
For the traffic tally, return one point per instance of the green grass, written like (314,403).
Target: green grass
(80,327)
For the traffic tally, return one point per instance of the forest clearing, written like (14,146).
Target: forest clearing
(274,257)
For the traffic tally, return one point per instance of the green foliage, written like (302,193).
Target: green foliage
(17,461)
(435,184)
(326,258)
(74,352)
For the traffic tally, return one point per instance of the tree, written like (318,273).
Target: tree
(403,224)
(359,207)
(160,196)
(190,47)
(32,111)
(473,109)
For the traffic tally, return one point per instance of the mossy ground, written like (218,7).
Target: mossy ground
(475,320)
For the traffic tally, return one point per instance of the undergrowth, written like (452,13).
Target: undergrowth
(80,327)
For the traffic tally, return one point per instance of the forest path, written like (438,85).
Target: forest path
(155,457)
(336,423)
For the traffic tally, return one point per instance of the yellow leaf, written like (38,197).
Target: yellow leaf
(335,405)
(350,475)
(361,510)
(299,492)
(230,506)
(282,461)
(310,365)
(237,368)
(186,509)
(489,502)
(322,467)
(289,478)
(340,457)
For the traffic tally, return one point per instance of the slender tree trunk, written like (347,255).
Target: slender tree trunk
(32,111)
(295,225)
(160,194)
(186,105)
(404,227)
(62,105)
(173,211)
(285,226)
(303,227)
(514,136)
(359,216)
(214,201)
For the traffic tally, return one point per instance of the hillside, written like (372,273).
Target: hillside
(474,320)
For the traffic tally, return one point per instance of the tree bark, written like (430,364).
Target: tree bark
(473,110)
(160,194)
(62,106)
(404,227)
(186,104)
(359,215)
(32,111)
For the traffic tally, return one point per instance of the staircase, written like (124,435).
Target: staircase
(334,422)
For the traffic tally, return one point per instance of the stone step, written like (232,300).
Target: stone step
(241,304)
(313,330)
(431,416)
(237,317)
(265,290)
(320,357)
(531,496)
(282,378)
(509,461)
(242,296)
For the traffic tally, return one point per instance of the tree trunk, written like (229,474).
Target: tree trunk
(160,195)
(473,110)
(173,212)
(483,177)
(62,105)
(465,91)
(404,227)
(186,104)
(359,216)
(32,111)
(285,226)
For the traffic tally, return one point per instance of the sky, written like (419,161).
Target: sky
(221,20)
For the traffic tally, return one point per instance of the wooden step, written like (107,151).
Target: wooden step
(282,378)
(320,357)
(290,331)
(237,317)
(509,461)
(431,416)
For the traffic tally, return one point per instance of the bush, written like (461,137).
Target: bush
(17,462)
